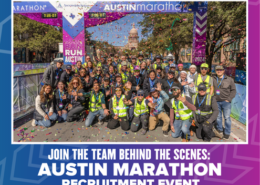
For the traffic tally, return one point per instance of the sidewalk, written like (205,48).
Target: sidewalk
(77,132)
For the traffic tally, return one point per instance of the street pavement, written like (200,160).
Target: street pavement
(78,132)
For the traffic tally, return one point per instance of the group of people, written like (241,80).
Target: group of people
(137,93)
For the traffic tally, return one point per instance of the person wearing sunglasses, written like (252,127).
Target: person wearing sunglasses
(86,81)
(141,112)
(116,61)
(225,91)
(124,73)
(118,111)
(204,78)
(192,72)
(78,67)
(111,74)
(97,105)
(44,110)
(76,103)
(150,82)
(87,60)
(61,102)
(136,79)
(157,62)
(182,118)
(140,58)
(67,75)
(205,115)
(159,97)
(97,75)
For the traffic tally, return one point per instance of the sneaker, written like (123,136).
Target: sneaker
(226,137)
(165,133)
(100,122)
(217,133)
(33,123)
(143,132)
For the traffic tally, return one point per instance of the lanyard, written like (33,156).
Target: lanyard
(98,77)
(170,84)
(137,80)
(57,71)
(220,81)
(70,77)
(143,71)
(118,99)
(202,78)
(192,75)
(90,70)
(151,81)
(184,86)
(201,101)
(72,95)
(96,97)
(60,95)
(177,104)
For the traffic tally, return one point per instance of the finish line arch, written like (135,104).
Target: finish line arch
(74,17)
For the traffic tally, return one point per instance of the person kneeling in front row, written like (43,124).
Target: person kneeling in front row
(43,114)
(97,105)
(119,111)
(206,114)
(183,107)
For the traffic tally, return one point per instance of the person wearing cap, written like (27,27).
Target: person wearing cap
(124,73)
(205,114)
(168,82)
(159,97)
(105,88)
(97,104)
(187,84)
(52,74)
(67,75)
(225,91)
(204,78)
(182,118)
(123,59)
(116,61)
(165,63)
(86,81)
(167,68)
(103,64)
(173,68)
(150,82)
(136,79)
(157,62)
(192,72)
(87,60)
(118,111)
(140,58)
(141,111)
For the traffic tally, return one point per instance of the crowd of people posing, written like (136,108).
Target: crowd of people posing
(137,93)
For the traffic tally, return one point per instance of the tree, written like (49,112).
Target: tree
(41,37)
(157,29)
(225,19)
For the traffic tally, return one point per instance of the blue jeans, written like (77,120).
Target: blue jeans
(182,128)
(45,122)
(92,115)
(224,107)
(62,118)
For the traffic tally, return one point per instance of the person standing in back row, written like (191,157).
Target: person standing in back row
(225,91)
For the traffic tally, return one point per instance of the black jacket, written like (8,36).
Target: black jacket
(146,86)
(166,87)
(49,76)
(57,101)
(65,77)
(132,79)
(80,99)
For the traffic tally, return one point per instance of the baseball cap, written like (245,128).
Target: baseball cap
(173,65)
(106,79)
(133,57)
(171,72)
(176,87)
(159,67)
(219,67)
(118,75)
(124,63)
(137,68)
(153,89)
(140,91)
(204,65)
(158,56)
(141,54)
(202,87)
(68,67)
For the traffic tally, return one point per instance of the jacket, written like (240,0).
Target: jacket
(49,75)
(42,108)
(160,103)
(65,77)
(57,101)
(80,99)
(146,86)
(166,87)
(227,89)
(132,79)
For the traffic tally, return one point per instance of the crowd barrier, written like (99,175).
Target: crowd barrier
(238,104)
(25,90)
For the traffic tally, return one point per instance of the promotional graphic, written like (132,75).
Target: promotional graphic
(130,93)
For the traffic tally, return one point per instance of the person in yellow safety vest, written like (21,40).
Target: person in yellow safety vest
(157,62)
(87,59)
(141,111)
(123,58)
(140,59)
(205,115)
(133,59)
(182,119)
(204,78)
(97,104)
(102,61)
(118,111)
(124,73)
(78,67)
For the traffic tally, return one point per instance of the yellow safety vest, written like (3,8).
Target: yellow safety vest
(140,109)
(119,109)
(125,77)
(183,111)
(94,104)
(198,80)
(208,102)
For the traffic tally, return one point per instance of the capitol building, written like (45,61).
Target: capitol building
(133,40)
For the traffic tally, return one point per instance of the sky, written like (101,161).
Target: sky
(116,32)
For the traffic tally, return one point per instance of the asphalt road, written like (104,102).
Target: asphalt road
(78,132)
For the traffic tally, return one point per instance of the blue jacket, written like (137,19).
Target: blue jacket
(160,103)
